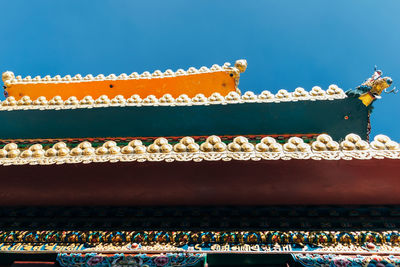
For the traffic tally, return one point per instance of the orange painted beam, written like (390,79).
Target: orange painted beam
(221,81)
(205,83)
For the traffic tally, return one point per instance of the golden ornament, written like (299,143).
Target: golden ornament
(36,147)
(220,147)
(51,152)
(84,145)
(60,145)
(206,147)
(109,144)
(127,150)
(166,148)
(179,147)
(247,147)
(10,146)
(153,148)
(290,147)
(187,140)
(101,151)
(26,154)
(240,140)
(88,151)
(140,149)
(234,147)
(135,143)
(213,139)
(114,150)
(261,147)
(193,147)
(76,151)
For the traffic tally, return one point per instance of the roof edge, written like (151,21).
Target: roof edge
(300,94)
(9,77)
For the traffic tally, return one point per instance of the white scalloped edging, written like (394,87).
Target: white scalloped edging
(213,149)
(25,103)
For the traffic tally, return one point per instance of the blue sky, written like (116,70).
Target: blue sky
(287,44)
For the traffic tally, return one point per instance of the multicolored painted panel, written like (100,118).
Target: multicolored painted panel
(332,260)
(119,260)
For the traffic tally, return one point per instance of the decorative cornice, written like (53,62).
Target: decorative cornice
(334,260)
(180,238)
(9,78)
(213,149)
(25,103)
(364,242)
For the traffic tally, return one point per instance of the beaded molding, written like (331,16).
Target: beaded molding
(298,242)
(57,103)
(325,239)
(334,260)
(9,78)
(213,149)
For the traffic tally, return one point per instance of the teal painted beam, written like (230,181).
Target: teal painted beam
(335,117)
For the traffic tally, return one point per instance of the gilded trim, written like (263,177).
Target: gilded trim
(213,149)
(364,242)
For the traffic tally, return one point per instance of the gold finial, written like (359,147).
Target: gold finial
(241,65)
(7,77)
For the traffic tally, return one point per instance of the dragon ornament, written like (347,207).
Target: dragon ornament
(372,88)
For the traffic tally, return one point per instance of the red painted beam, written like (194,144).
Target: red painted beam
(204,183)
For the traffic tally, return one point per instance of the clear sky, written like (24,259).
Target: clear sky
(287,44)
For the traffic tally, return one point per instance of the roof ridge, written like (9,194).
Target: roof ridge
(9,78)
